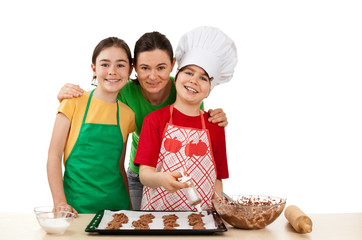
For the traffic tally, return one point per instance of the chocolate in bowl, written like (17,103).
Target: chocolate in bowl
(249,212)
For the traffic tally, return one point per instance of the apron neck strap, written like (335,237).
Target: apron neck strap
(117,112)
(201,115)
(86,110)
(171,111)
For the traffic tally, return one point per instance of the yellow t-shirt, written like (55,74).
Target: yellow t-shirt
(99,112)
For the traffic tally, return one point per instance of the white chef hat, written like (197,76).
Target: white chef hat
(210,49)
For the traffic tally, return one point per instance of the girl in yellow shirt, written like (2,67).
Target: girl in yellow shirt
(91,132)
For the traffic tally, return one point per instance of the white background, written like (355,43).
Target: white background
(294,104)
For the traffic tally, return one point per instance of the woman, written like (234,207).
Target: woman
(151,90)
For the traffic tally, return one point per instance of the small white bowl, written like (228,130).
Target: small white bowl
(55,222)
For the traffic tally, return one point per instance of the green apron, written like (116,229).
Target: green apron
(92,180)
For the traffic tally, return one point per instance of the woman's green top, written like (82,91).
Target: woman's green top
(131,95)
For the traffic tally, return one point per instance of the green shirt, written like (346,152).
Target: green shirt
(131,95)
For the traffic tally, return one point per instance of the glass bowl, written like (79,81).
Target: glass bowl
(251,211)
(54,222)
(51,209)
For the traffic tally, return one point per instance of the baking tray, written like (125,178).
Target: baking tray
(93,226)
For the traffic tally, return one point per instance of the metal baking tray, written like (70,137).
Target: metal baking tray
(93,226)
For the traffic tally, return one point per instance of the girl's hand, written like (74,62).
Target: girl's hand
(69,90)
(170,183)
(61,206)
(218,116)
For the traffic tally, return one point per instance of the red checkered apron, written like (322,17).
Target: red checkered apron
(189,150)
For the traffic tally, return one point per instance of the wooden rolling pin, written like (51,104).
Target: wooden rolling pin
(299,221)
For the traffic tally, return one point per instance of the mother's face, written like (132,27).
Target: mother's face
(153,70)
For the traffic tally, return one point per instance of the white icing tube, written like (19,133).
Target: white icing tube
(191,193)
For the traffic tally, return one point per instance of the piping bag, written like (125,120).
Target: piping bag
(191,193)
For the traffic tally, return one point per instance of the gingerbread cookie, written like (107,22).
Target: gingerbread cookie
(169,221)
(195,220)
(117,221)
(143,222)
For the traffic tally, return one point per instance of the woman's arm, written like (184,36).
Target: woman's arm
(69,90)
(54,163)
(218,116)
(149,177)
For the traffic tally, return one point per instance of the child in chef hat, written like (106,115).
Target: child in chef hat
(178,138)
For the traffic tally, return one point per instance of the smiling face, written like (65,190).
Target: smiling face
(192,85)
(112,69)
(153,70)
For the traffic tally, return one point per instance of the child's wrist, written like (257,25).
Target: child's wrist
(60,202)
(162,179)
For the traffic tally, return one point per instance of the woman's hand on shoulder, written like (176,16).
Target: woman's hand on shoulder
(218,116)
(69,90)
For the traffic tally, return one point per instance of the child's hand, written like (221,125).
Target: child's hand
(218,116)
(170,183)
(69,90)
(62,205)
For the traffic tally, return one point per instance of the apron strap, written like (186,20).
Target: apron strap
(171,111)
(117,112)
(202,120)
(86,110)
(201,115)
